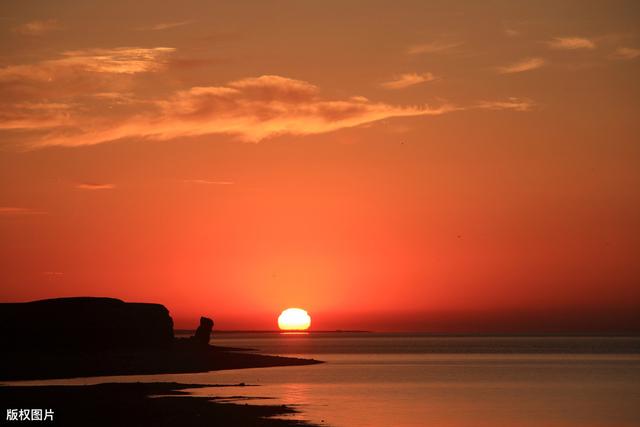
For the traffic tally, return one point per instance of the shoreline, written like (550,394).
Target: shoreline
(22,366)
(157,404)
(139,403)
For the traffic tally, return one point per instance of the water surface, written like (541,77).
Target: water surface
(420,380)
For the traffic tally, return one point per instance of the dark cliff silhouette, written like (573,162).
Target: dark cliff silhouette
(85,336)
(85,323)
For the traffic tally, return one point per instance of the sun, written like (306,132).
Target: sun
(294,319)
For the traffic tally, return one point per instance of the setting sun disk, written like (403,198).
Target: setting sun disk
(294,319)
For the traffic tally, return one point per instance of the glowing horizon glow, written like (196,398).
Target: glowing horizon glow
(474,174)
(294,319)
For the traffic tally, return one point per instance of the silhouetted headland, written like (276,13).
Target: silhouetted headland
(86,336)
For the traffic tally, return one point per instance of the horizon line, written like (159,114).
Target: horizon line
(433,334)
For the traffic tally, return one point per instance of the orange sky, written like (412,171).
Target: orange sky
(438,166)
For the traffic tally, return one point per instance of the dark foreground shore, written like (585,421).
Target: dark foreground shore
(138,404)
(53,365)
(135,404)
(94,337)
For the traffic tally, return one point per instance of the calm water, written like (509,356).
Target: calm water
(417,380)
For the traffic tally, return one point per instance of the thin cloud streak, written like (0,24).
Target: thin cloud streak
(92,186)
(53,274)
(433,47)
(571,43)
(164,26)
(122,60)
(514,104)
(522,66)
(125,60)
(510,32)
(408,79)
(627,53)
(16,211)
(207,182)
(35,115)
(38,28)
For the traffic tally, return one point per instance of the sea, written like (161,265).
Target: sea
(409,379)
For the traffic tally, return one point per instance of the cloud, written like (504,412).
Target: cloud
(273,88)
(433,47)
(514,104)
(251,109)
(16,211)
(626,53)
(115,97)
(126,60)
(34,115)
(521,66)
(164,26)
(409,79)
(92,186)
(571,43)
(89,96)
(53,274)
(52,92)
(121,60)
(37,28)
(510,32)
(208,182)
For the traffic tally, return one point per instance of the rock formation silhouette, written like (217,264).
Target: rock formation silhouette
(85,337)
(203,333)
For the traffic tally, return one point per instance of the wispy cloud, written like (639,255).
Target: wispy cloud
(207,182)
(122,60)
(16,211)
(54,92)
(38,28)
(34,115)
(522,66)
(515,104)
(53,274)
(571,43)
(251,109)
(510,32)
(92,186)
(88,96)
(514,28)
(409,79)
(437,46)
(164,26)
(626,53)
(127,60)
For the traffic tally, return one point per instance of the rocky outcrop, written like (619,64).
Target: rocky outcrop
(72,324)
(203,333)
(87,337)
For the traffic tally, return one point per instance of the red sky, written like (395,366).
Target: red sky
(430,166)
